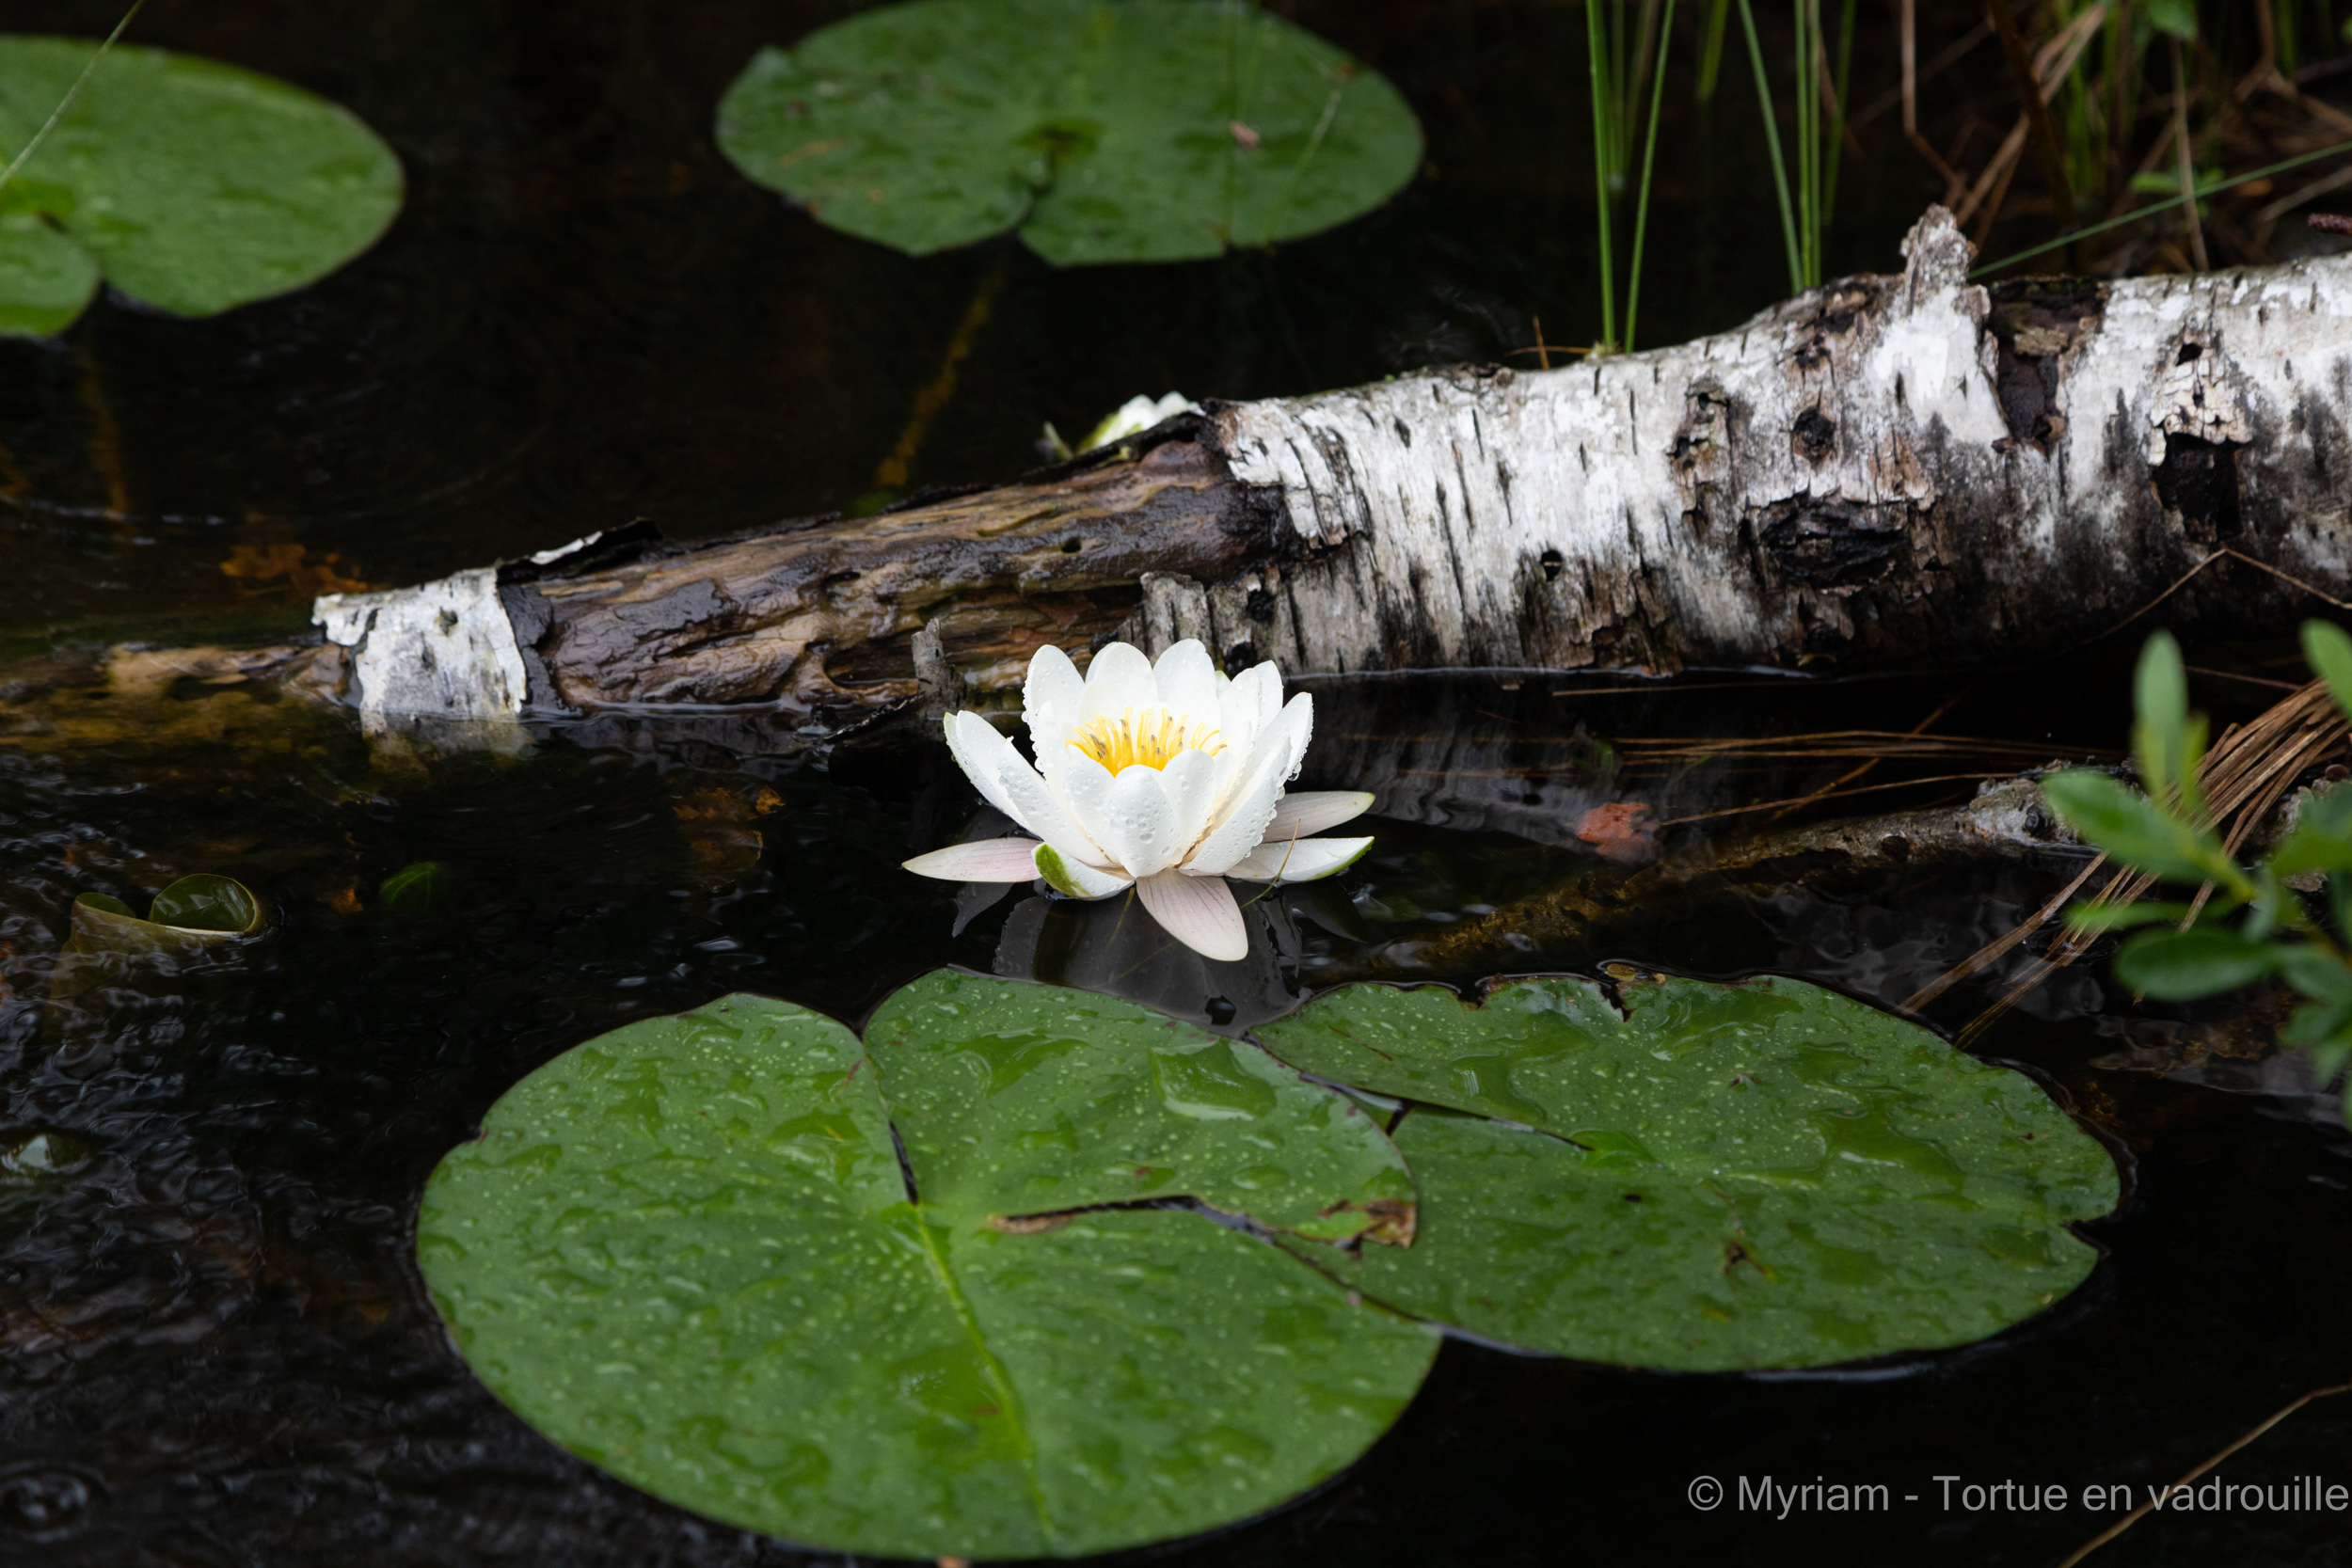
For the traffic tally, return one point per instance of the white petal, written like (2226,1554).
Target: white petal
(1083,787)
(1298,717)
(1187,681)
(1190,779)
(1309,812)
(1269,691)
(1050,698)
(1198,912)
(1076,878)
(1246,703)
(1012,787)
(1242,819)
(1299,860)
(986,860)
(983,754)
(1119,678)
(1137,825)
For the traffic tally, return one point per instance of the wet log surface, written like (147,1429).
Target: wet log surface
(824,620)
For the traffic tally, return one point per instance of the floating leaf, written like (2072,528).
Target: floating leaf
(195,924)
(193,913)
(45,279)
(686,1251)
(207,903)
(1764,1173)
(1108,130)
(191,185)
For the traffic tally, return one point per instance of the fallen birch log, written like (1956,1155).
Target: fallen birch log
(1883,472)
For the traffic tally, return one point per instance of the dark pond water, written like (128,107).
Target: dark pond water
(213,1347)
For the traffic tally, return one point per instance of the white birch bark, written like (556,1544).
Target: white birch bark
(1884,471)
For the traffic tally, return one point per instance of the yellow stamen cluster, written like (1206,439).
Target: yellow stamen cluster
(1151,738)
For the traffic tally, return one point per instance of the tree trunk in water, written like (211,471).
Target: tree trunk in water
(1883,472)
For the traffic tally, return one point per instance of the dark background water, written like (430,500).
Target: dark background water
(213,1349)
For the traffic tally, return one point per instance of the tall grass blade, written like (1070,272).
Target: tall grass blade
(1603,117)
(1844,79)
(1711,47)
(1649,162)
(1772,142)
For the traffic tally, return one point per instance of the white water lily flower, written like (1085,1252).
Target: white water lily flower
(1165,778)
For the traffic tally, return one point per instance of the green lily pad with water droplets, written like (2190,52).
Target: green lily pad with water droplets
(188,185)
(685,1251)
(1762,1174)
(1105,130)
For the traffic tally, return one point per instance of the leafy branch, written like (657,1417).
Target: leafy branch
(2166,831)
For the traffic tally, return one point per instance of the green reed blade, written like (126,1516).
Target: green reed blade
(1597,45)
(1711,48)
(1772,141)
(1649,162)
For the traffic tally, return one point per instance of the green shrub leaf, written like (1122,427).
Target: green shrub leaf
(1764,1173)
(2109,917)
(2180,966)
(2321,841)
(2130,827)
(2311,971)
(2166,742)
(1108,130)
(2329,650)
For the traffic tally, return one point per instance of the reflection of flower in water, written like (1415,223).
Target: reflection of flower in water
(1166,779)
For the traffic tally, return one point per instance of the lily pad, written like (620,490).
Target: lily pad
(188,185)
(1106,130)
(1763,1174)
(687,1251)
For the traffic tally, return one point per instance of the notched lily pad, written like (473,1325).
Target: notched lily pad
(686,1251)
(1765,1174)
(1106,130)
(188,185)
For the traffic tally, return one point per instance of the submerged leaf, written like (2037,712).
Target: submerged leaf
(419,888)
(192,185)
(1764,1173)
(685,1251)
(1109,130)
